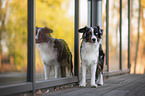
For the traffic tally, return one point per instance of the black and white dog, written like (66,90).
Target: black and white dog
(54,52)
(92,54)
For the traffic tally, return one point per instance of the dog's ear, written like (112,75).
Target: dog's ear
(100,30)
(48,30)
(82,30)
(37,29)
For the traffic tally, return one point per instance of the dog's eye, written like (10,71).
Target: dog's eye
(96,33)
(89,34)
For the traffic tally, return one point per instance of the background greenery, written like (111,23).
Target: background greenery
(13,30)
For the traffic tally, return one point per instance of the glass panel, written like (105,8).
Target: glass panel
(58,15)
(124,34)
(13,41)
(139,57)
(104,29)
(133,33)
(114,35)
(84,4)
(84,20)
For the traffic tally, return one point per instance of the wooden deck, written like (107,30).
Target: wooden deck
(124,85)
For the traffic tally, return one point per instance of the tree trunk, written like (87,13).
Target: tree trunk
(137,45)
(3,12)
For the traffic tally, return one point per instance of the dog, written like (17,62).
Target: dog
(92,55)
(54,52)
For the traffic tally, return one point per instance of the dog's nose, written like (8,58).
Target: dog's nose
(94,39)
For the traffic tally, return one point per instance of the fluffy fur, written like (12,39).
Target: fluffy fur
(90,48)
(54,52)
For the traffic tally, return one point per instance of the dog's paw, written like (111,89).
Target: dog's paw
(82,84)
(94,86)
(100,83)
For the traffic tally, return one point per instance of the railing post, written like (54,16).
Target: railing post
(99,13)
(31,43)
(107,34)
(129,20)
(96,12)
(93,13)
(120,29)
(76,38)
(89,12)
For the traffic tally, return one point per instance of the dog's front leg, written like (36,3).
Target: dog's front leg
(93,74)
(56,68)
(46,71)
(83,79)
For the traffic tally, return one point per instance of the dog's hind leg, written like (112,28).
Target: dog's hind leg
(99,75)
(63,71)
(100,79)
(56,68)
(46,71)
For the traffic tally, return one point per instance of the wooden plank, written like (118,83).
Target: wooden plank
(124,85)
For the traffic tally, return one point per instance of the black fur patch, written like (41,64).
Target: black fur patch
(64,56)
(100,64)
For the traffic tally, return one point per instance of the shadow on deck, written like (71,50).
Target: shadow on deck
(123,85)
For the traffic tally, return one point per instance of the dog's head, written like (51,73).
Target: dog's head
(43,34)
(91,34)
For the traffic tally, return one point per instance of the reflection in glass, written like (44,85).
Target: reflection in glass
(13,41)
(54,53)
(114,35)
(57,15)
(84,20)
(124,34)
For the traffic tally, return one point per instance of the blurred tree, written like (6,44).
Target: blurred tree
(53,13)
(138,36)
(137,57)
(16,32)
(13,26)
(113,35)
(3,11)
(142,45)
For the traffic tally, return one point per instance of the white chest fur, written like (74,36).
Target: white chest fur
(48,53)
(89,53)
